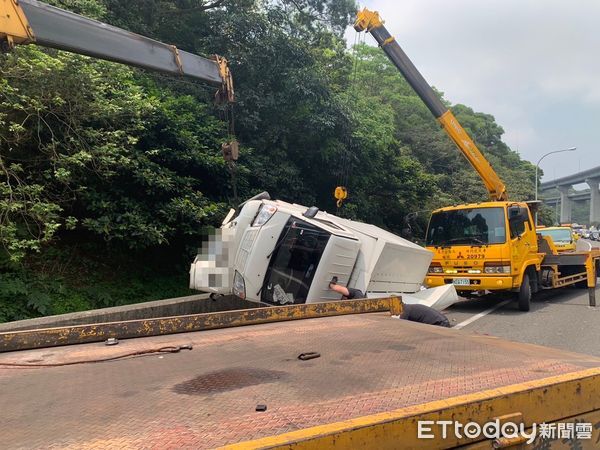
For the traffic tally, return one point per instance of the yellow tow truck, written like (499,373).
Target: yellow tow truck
(488,246)
(564,237)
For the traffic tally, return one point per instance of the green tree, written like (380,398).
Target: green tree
(89,147)
(106,169)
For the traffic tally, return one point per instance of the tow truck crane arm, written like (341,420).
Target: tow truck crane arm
(33,22)
(371,22)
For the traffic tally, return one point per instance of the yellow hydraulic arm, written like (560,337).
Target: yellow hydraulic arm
(371,22)
(33,22)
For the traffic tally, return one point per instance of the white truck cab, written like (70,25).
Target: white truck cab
(280,253)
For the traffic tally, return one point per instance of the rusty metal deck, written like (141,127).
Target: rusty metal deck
(204,398)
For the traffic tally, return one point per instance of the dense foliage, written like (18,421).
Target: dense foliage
(108,174)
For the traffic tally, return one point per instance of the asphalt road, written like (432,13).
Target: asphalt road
(559,318)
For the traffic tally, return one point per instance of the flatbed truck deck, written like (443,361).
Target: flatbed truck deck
(376,376)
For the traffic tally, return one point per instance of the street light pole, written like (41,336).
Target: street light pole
(537,167)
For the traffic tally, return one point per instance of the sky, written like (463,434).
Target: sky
(534,65)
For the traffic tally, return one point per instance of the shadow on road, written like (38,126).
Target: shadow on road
(540,301)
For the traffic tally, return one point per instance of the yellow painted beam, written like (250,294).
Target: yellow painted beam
(79,334)
(556,442)
(544,400)
(490,178)
(367,20)
(14,26)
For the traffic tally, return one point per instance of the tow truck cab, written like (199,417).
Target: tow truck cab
(482,246)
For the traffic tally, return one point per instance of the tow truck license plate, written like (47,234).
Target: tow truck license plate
(461,281)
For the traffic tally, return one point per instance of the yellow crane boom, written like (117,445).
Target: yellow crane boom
(371,22)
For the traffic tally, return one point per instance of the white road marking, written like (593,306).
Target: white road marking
(480,315)
(581,243)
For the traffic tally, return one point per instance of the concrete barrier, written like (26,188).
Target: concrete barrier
(193,304)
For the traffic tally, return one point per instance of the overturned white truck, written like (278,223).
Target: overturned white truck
(279,253)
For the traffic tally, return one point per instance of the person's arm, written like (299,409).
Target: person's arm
(339,289)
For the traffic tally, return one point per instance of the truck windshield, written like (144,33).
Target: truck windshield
(562,235)
(294,263)
(476,226)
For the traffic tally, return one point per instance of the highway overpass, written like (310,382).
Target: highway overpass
(591,177)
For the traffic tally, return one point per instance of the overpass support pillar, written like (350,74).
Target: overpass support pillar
(594,183)
(565,204)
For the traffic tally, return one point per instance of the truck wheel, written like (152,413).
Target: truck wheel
(524,295)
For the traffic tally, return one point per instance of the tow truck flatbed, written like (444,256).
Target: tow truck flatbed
(375,377)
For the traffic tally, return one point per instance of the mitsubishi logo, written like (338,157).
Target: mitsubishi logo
(460,256)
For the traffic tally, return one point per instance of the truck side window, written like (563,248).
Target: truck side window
(517,226)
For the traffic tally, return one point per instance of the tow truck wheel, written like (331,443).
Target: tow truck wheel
(524,295)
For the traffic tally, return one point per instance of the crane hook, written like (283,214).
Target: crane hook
(341,194)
